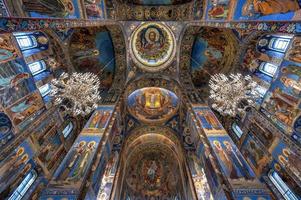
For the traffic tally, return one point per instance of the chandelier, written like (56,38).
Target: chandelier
(231,95)
(77,93)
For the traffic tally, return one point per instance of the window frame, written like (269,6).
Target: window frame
(68,129)
(237,130)
(44,94)
(274,40)
(23,187)
(266,64)
(281,186)
(30,38)
(42,65)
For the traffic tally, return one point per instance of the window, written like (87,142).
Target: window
(261,90)
(279,44)
(236,129)
(68,129)
(24,186)
(268,68)
(27,42)
(37,67)
(281,186)
(45,89)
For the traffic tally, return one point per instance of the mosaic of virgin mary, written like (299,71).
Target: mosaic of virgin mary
(152,43)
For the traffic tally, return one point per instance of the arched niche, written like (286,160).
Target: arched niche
(152,165)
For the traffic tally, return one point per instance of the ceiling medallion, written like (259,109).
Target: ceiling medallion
(153,46)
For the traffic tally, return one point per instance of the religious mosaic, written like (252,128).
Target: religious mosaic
(267,10)
(153,45)
(152,173)
(92,50)
(153,104)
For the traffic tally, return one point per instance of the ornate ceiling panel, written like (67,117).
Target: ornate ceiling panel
(152,46)
(187,11)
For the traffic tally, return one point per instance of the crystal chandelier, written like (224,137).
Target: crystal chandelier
(77,93)
(231,95)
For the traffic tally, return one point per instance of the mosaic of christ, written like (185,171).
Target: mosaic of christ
(152,43)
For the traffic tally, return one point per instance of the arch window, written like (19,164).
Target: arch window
(68,129)
(279,44)
(236,129)
(268,69)
(37,67)
(45,89)
(282,187)
(24,186)
(27,42)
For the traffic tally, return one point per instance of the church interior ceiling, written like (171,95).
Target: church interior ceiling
(154,134)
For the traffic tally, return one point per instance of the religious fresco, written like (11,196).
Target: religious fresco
(78,160)
(25,107)
(233,164)
(92,50)
(287,158)
(153,46)
(95,9)
(8,50)
(266,136)
(254,154)
(153,104)
(15,81)
(282,101)
(105,171)
(199,177)
(208,120)
(16,164)
(258,51)
(80,157)
(54,8)
(99,119)
(269,10)
(151,172)
(231,161)
(294,52)
(6,129)
(218,9)
(211,55)
(108,177)
(51,152)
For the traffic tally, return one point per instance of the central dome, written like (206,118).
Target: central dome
(152,46)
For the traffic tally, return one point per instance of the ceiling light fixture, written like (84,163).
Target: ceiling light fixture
(77,93)
(231,95)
